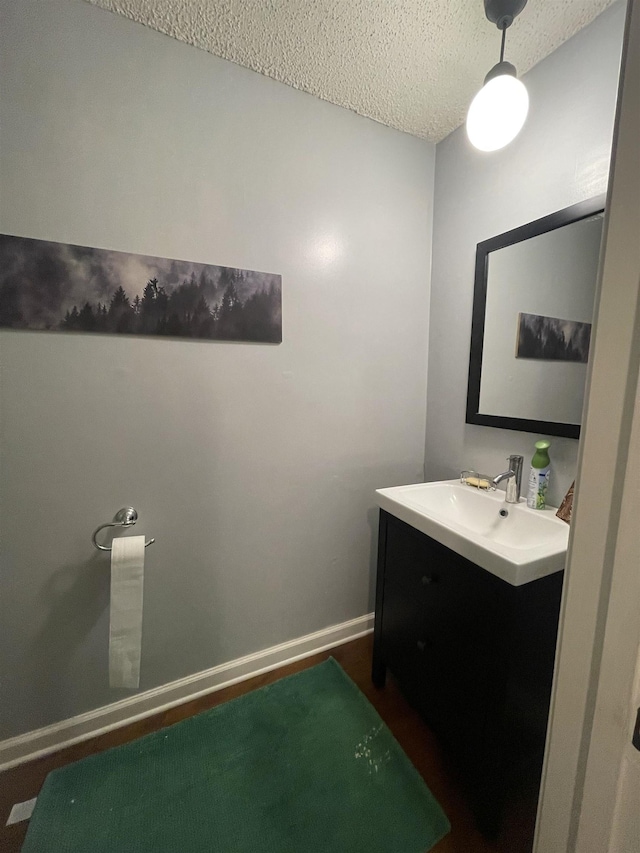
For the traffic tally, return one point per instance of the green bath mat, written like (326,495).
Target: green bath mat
(304,765)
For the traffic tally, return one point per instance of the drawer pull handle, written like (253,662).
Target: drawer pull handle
(421,645)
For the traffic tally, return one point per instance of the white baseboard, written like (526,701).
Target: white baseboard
(30,745)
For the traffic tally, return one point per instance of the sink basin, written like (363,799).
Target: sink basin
(525,545)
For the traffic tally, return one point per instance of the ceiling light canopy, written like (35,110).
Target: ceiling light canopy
(499,110)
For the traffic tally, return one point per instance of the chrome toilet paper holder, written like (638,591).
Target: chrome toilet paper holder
(125,517)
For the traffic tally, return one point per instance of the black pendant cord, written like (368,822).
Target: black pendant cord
(504,36)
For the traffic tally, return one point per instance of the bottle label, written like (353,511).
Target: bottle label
(538,486)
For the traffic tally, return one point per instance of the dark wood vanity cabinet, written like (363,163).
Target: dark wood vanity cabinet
(473,654)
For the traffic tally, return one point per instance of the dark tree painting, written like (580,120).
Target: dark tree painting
(59,287)
(552,339)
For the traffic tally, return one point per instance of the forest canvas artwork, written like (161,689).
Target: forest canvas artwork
(60,287)
(552,339)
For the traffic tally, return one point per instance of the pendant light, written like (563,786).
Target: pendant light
(499,110)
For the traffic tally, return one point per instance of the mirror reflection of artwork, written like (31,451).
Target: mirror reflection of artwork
(533,304)
(48,286)
(552,339)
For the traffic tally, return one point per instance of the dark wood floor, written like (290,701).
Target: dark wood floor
(24,782)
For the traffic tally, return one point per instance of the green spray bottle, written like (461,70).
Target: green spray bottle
(539,476)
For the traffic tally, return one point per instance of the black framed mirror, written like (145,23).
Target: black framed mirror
(533,304)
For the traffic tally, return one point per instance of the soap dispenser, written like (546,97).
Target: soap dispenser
(539,476)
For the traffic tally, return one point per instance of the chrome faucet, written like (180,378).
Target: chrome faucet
(513,477)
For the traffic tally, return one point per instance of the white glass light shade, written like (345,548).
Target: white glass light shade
(497,113)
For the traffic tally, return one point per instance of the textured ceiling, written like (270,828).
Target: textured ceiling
(411,64)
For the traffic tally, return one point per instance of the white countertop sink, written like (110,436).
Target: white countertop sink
(525,545)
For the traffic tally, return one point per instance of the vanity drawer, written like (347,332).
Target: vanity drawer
(441,593)
(411,561)
(451,685)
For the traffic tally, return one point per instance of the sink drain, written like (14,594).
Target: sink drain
(503,513)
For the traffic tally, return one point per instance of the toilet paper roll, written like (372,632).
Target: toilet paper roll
(125,622)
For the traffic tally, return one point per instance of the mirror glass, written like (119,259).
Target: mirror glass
(533,309)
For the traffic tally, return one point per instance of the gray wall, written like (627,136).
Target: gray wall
(253,466)
(561,157)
